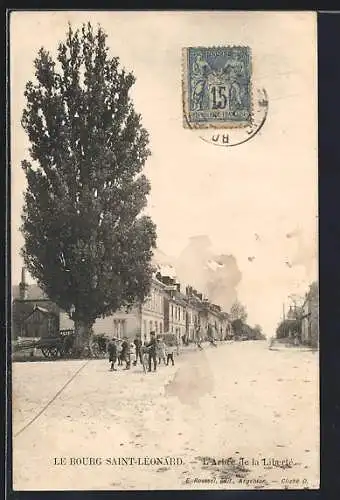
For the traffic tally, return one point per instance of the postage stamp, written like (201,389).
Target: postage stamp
(217,87)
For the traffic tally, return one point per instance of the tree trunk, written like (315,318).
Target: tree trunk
(83,333)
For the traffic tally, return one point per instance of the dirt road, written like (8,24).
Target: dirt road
(237,416)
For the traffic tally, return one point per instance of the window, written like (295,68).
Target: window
(50,324)
(150,326)
(160,328)
(123,327)
(156,327)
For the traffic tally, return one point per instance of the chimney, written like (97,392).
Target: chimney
(23,286)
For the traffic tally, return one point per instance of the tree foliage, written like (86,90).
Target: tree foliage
(238,312)
(86,241)
(288,327)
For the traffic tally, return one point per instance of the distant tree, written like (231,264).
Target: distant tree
(86,242)
(238,311)
(288,327)
(237,325)
(258,333)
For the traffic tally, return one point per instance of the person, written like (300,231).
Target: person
(119,352)
(152,349)
(200,73)
(170,354)
(126,353)
(161,350)
(112,350)
(138,345)
(231,71)
(198,338)
(211,335)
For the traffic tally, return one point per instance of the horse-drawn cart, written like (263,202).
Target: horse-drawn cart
(60,346)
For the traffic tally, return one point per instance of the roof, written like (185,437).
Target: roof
(40,309)
(178,298)
(21,309)
(34,292)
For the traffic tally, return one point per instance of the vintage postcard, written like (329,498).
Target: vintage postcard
(165,318)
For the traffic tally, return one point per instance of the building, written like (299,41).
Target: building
(40,323)
(226,332)
(33,313)
(310,317)
(177,311)
(193,309)
(140,319)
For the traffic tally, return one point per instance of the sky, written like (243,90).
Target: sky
(246,198)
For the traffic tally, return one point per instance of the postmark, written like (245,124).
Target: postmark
(217,87)
(237,136)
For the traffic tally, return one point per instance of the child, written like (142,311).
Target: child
(119,353)
(170,354)
(161,350)
(112,350)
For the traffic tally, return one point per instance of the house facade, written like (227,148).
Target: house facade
(141,319)
(193,313)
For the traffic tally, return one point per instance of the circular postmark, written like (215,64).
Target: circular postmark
(235,136)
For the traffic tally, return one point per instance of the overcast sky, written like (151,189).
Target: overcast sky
(266,186)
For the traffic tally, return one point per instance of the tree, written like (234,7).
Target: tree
(238,311)
(86,241)
(258,333)
(237,325)
(288,327)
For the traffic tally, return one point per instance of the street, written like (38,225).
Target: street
(239,416)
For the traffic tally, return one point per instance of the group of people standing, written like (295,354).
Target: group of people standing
(147,353)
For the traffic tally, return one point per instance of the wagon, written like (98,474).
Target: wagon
(59,346)
(50,347)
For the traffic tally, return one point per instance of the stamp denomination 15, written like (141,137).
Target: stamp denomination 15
(217,89)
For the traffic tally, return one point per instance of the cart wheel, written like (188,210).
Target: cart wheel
(95,350)
(54,352)
(45,351)
(50,352)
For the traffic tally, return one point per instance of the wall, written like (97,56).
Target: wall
(314,316)
(120,324)
(177,319)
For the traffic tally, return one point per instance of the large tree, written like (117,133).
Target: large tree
(86,241)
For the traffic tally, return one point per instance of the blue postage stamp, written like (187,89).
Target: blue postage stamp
(217,87)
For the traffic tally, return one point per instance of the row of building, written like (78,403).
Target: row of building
(302,322)
(167,309)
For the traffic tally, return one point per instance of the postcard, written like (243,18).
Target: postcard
(165,317)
